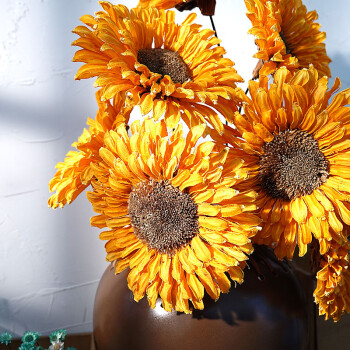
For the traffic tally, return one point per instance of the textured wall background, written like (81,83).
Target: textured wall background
(51,261)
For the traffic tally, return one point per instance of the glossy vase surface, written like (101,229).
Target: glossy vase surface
(271,310)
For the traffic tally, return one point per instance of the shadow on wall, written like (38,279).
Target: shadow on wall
(8,320)
(51,308)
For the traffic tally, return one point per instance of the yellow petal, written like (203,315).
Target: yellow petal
(146,104)
(177,271)
(208,209)
(152,292)
(236,274)
(164,271)
(208,282)
(212,223)
(231,210)
(223,193)
(153,267)
(200,249)
(314,205)
(344,212)
(186,264)
(223,282)
(298,209)
(195,286)
(107,156)
(334,222)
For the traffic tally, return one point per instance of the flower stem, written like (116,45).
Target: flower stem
(213,26)
(257,69)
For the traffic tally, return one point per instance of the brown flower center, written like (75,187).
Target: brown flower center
(165,62)
(162,216)
(288,48)
(292,165)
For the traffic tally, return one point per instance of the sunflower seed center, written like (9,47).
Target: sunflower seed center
(163,217)
(292,165)
(165,62)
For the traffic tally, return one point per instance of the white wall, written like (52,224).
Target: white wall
(51,261)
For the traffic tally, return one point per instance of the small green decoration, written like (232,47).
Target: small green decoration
(56,345)
(59,335)
(30,337)
(5,338)
(27,346)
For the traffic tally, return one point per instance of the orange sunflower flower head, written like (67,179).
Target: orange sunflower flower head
(75,173)
(296,148)
(167,69)
(286,35)
(207,7)
(171,214)
(332,293)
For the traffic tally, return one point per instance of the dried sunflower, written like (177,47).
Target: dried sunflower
(74,174)
(171,214)
(286,35)
(296,150)
(332,293)
(207,7)
(168,69)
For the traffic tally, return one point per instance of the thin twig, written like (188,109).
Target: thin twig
(213,25)
(216,34)
(240,108)
(315,326)
(256,70)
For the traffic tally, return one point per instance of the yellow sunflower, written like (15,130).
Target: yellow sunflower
(74,174)
(172,216)
(296,149)
(168,69)
(286,35)
(207,7)
(332,293)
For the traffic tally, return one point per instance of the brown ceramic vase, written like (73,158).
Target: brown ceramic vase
(270,310)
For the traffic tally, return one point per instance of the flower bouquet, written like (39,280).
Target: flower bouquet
(209,172)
